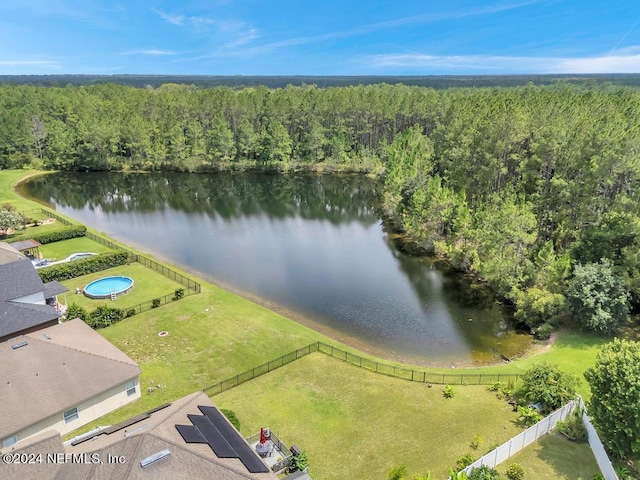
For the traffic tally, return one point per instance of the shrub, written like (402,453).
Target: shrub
(397,473)
(104,316)
(60,234)
(476,442)
(299,462)
(130,312)
(178,294)
(231,416)
(76,311)
(515,472)
(529,416)
(547,384)
(155,303)
(465,460)
(573,428)
(448,391)
(77,268)
(544,331)
(484,473)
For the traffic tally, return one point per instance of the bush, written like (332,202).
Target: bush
(299,462)
(448,391)
(476,442)
(155,303)
(529,416)
(178,294)
(573,428)
(547,384)
(231,416)
(465,460)
(484,473)
(515,472)
(544,331)
(130,312)
(77,268)
(104,316)
(76,311)
(60,234)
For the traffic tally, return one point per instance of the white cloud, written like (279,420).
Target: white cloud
(150,51)
(172,19)
(627,61)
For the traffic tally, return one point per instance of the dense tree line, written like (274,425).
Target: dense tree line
(532,188)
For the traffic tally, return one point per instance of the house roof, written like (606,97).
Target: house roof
(58,368)
(19,278)
(54,288)
(152,435)
(9,254)
(16,317)
(25,244)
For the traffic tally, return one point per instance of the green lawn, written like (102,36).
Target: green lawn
(8,180)
(553,456)
(61,250)
(355,424)
(147,285)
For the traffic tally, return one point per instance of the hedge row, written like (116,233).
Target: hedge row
(60,234)
(77,268)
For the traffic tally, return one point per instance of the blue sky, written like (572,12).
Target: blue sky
(252,37)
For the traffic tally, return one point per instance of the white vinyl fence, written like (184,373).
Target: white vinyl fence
(596,446)
(544,426)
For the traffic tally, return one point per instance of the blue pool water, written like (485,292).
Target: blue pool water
(104,287)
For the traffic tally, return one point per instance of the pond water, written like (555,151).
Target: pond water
(315,245)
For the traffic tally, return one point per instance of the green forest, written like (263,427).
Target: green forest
(533,190)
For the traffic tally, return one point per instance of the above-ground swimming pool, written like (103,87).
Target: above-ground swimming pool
(104,287)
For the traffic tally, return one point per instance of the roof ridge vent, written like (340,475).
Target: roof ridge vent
(155,457)
(19,345)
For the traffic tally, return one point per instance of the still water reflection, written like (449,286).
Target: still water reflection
(314,244)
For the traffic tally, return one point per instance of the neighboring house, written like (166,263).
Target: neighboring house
(26,303)
(61,377)
(150,446)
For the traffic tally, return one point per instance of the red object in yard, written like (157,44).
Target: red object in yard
(263,437)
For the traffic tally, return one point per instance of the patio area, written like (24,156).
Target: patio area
(273,452)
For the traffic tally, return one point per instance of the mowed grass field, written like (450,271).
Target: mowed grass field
(555,457)
(147,285)
(358,424)
(61,250)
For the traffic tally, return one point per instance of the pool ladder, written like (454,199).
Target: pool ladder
(113,297)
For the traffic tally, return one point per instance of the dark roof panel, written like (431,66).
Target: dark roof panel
(54,288)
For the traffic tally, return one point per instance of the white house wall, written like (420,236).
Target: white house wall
(88,411)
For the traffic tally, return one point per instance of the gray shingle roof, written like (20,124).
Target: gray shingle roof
(47,377)
(16,317)
(54,288)
(185,461)
(19,278)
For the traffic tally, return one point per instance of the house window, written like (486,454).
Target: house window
(130,387)
(7,442)
(71,415)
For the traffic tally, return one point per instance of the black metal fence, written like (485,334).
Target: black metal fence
(358,361)
(260,370)
(415,375)
(153,303)
(103,241)
(50,214)
(192,285)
